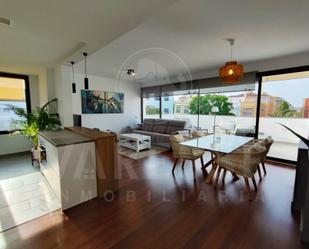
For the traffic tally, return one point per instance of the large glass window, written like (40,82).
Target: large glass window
(235,108)
(178,108)
(151,107)
(12,93)
(284,100)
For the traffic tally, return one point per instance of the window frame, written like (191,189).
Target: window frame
(260,76)
(27,92)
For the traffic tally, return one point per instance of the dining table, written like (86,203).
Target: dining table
(216,143)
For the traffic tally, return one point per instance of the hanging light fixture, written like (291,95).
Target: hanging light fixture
(231,72)
(86,81)
(131,72)
(73,82)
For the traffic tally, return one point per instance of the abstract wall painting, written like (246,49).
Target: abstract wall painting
(94,102)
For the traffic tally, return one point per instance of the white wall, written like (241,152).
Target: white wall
(63,92)
(114,122)
(10,145)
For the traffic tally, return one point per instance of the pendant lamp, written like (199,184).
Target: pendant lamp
(73,82)
(86,81)
(231,72)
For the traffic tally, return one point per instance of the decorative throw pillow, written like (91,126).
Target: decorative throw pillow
(198,133)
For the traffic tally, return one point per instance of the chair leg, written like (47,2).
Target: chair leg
(264,168)
(202,161)
(193,168)
(175,163)
(254,183)
(248,188)
(259,171)
(224,174)
(183,164)
(218,176)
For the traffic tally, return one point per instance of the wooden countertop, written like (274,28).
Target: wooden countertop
(90,133)
(64,137)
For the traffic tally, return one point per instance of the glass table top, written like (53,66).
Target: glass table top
(218,143)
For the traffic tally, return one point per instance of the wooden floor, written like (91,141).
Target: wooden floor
(156,210)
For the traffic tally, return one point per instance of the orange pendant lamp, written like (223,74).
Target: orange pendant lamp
(231,72)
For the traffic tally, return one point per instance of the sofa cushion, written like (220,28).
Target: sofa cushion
(175,125)
(148,124)
(160,126)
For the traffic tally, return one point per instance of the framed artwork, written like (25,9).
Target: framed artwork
(94,102)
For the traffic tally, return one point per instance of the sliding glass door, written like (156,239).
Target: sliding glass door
(284,100)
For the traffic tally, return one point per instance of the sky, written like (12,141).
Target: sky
(294,91)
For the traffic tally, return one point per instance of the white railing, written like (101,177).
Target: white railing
(269,126)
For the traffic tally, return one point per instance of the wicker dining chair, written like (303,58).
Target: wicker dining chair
(184,153)
(243,162)
(267,142)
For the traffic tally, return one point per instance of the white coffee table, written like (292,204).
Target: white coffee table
(135,141)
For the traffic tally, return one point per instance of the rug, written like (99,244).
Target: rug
(155,150)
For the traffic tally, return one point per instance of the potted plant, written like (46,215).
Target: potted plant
(29,124)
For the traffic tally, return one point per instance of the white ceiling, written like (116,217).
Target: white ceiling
(191,34)
(50,32)
(159,38)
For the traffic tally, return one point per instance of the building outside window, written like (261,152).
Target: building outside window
(13,93)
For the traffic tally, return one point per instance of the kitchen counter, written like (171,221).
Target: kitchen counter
(68,163)
(64,137)
(106,158)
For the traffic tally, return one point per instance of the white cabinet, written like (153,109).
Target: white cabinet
(70,170)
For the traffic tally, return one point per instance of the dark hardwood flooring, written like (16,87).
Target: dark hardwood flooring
(153,209)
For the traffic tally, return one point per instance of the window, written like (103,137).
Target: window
(166,98)
(178,107)
(14,91)
(285,100)
(151,107)
(186,109)
(237,108)
(247,112)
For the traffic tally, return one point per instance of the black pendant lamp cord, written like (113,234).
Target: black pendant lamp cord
(72,62)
